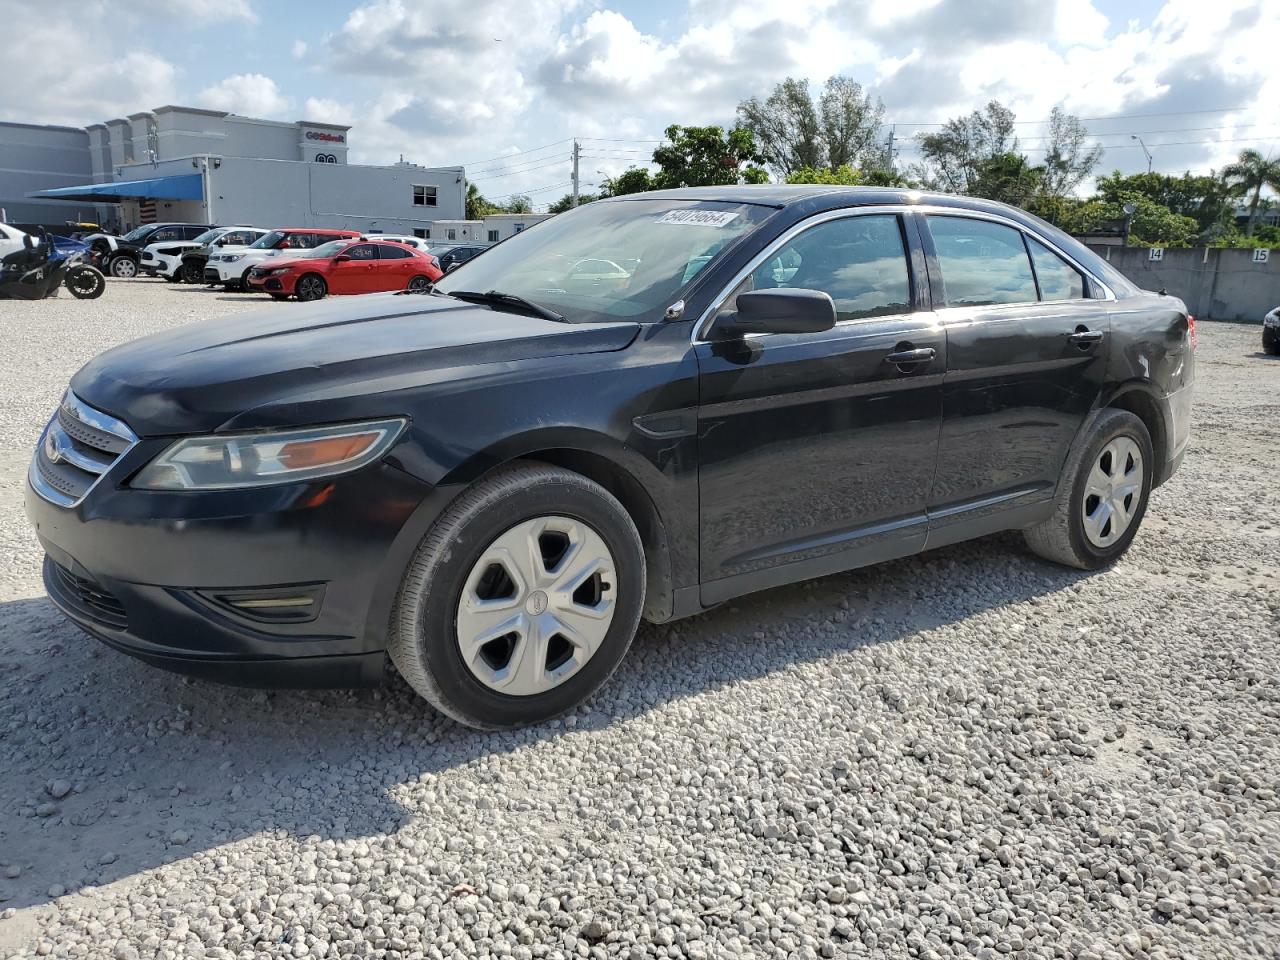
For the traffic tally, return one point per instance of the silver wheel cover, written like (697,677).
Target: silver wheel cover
(1113,492)
(524,626)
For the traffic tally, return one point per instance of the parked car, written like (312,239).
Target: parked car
(1271,333)
(342,267)
(231,267)
(418,243)
(164,259)
(493,483)
(234,240)
(450,255)
(123,258)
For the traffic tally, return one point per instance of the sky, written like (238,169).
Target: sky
(504,87)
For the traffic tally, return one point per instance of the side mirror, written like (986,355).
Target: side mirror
(781,310)
(453,266)
(341,258)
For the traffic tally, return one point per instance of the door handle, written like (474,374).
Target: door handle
(1084,337)
(917,355)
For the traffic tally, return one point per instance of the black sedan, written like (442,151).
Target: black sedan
(492,483)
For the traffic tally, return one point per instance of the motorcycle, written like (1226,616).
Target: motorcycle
(39,270)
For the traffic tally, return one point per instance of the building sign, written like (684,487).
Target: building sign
(326,158)
(1155,254)
(326,137)
(1261,256)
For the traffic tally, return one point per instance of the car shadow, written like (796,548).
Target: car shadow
(163,767)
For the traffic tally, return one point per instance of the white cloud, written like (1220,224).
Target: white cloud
(250,94)
(299,49)
(201,11)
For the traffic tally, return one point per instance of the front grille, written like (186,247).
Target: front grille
(88,598)
(77,448)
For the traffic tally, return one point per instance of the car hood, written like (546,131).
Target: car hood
(268,367)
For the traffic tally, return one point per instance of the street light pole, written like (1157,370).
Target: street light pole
(576,152)
(1134,136)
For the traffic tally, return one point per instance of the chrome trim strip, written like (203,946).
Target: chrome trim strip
(699,328)
(68,452)
(41,487)
(96,418)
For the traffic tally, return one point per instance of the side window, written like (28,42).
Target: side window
(168,233)
(860,261)
(362,251)
(194,231)
(493,236)
(387,251)
(982,262)
(1058,279)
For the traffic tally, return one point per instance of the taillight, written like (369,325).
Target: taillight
(1191,331)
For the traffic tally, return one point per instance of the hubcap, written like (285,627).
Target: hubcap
(310,288)
(125,268)
(536,606)
(1112,492)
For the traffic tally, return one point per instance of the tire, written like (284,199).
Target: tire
(419,284)
(310,286)
(1071,536)
(172,277)
(243,282)
(192,273)
(85,282)
(1271,342)
(425,640)
(122,268)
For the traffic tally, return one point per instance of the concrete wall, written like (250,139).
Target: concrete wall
(499,226)
(41,158)
(187,132)
(1214,284)
(278,193)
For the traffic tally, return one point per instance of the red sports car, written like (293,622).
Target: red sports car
(346,266)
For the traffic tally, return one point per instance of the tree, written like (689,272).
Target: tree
(1247,176)
(1152,224)
(477,207)
(631,180)
(786,127)
(851,125)
(518,203)
(1007,177)
(1067,160)
(954,157)
(1206,199)
(795,132)
(845,176)
(707,156)
(565,203)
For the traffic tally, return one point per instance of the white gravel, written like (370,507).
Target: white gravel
(969,753)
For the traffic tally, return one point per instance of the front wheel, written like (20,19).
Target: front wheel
(1102,495)
(123,268)
(522,599)
(85,282)
(192,273)
(310,286)
(1271,341)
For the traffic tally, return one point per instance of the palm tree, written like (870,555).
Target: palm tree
(1249,175)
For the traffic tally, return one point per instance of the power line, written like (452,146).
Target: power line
(1114,116)
(513,173)
(509,156)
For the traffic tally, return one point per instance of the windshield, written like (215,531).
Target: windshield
(269,241)
(610,259)
(330,249)
(209,235)
(137,233)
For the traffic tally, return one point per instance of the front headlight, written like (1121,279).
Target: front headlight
(275,456)
(272,272)
(232,257)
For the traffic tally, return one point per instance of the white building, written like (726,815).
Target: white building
(207,166)
(499,226)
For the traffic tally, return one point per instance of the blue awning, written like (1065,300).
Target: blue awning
(189,186)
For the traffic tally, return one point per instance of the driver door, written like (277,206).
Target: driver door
(817,450)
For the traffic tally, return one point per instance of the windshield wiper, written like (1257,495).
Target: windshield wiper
(496,298)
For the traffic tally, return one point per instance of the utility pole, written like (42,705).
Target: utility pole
(576,151)
(892,130)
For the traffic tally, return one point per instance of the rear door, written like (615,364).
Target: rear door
(396,265)
(1026,358)
(817,450)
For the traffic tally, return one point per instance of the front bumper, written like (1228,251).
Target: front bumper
(224,272)
(153,574)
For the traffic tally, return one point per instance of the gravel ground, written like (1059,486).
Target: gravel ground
(969,753)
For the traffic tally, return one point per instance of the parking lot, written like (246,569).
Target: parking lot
(967,753)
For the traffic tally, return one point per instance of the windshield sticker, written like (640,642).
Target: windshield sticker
(699,218)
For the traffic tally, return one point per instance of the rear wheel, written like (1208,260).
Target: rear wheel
(310,286)
(244,281)
(419,284)
(522,599)
(1271,341)
(85,282)
(123,267)
(1102,496)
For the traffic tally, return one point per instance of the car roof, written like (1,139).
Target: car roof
(786,194)
(325,230)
